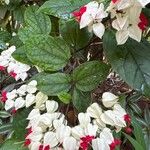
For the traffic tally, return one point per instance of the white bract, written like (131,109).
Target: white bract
(93,17)
(14,68)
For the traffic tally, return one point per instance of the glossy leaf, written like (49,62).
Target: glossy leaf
(53,84)
(75,37)
(81,100)
(47,52)
(61,8)
(64,97)
(88,75)
(131,61)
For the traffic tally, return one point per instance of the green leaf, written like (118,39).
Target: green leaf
(88,75)
(53,84)
(61,8)
(5,128)
(21,56)
(4,114)
(12,145)
(81,100)
(136,145)
(138,133)
(5,36)
(19,124)
(75,37)
(131,61)
(64,97)
(36,23)
(48,53)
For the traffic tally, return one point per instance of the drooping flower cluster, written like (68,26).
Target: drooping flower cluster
(24,96)
(126,16)
(48,129)
(14,68)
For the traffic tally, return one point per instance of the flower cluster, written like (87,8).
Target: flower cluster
(24,96)
(126,15)
(48,129)
(14,68)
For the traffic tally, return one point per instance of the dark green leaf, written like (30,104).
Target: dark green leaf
(131,61)
(53,84)
(138,133)
(81,100)
(48,53)
(19,124)
(12,145)
(136,145)
(4,114)
(61,8)
(5,128)
(21,56)
(73,35)
(88,75)
(37,23)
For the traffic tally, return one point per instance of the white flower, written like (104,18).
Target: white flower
(62,132)
(109,99)
(12,95)
(9,104)
(94,111)
(51,106)
(19,103)
(50,139)
(31,87)
(22,90)
(7,1)
(99,144)
(84,119)
(77,132)
(30,99)
(91,130)
(107,136)
(70,143)
(40,99)
(93,17)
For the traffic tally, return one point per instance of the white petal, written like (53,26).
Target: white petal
(94,110)
(109,99)
(51,106)
(31,88)
(106,135)
(70,143)
(99,144)
(122,36)
(135,33)
(50,139)
(9,104)
(11,95)
(98,29)
(19,103)
(40,99)
(30,99)
(91,130)
(22,90)
(108,117)
(84,119)
(86,19)
(34,113)
(62,132)
(77,132)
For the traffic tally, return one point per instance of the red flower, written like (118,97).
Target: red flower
(13,111)
(12,74)
(85,141)
(47,147)
(29,131)
(128,130)
(2,68)
(78,14)
(41,147)
(115,143)
(143,22)
(127,119)
(4,96)
(114,1)
(27,142)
